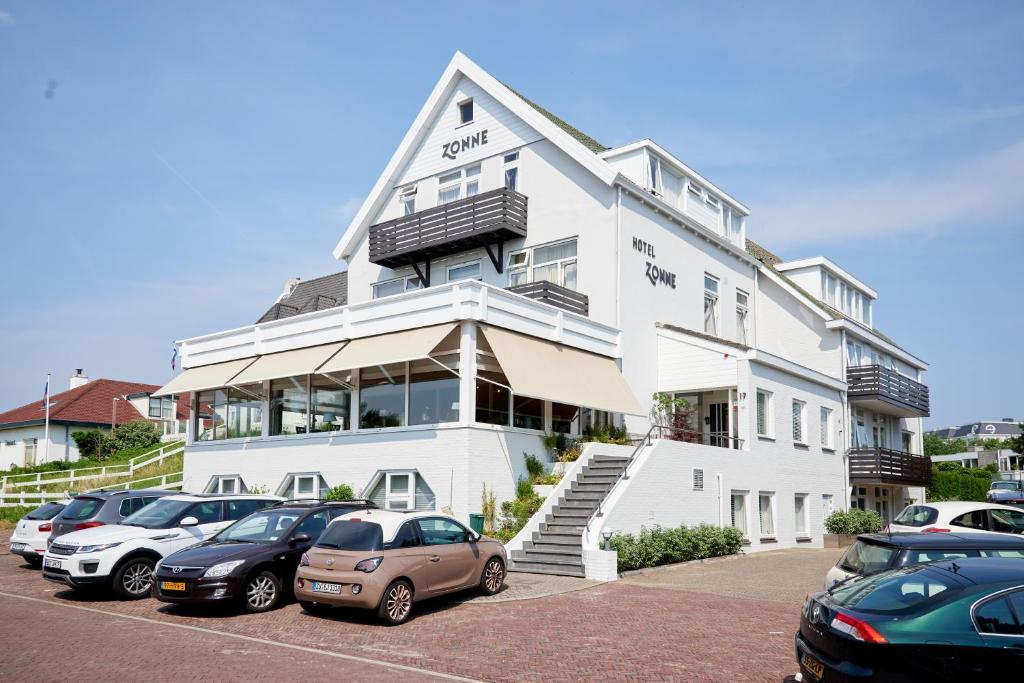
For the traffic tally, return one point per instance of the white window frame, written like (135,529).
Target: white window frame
(510,162)
(407,200)
(825,415)
(472,111)
(465,264)
(773,531)
(798,411)
(742,316)
(409,497)
(695,189)
(714,297)
(297,494)
(769,417)
(828,505)
(654,173)
(745,496)
(407,279)
(529,263)
(801,518)
(464,183)
(236,481)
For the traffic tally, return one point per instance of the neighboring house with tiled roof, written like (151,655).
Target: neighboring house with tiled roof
(87,404)
(304,296)
(1007,428)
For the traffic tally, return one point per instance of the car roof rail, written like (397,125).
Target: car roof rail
(349,501)
(293,501)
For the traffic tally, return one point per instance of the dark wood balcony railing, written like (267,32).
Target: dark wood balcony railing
(888,389)
(481,220)
(888,466)
(556,295)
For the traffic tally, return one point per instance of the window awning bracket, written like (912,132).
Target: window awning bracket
(499,260)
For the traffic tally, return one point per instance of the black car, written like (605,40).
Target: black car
(951,620)
(251,562)
(872,553)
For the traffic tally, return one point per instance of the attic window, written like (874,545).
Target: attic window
(694,189)
(466,111)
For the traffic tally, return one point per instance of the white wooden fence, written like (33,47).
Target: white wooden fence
(17,481)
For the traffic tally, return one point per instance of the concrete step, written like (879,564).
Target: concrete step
(558,559)
(609,458)
(544,568)
(559,528)
(591,478)
(558,539)
(577,504)
(584,495)
(568,516)
(572,550)
(601,487)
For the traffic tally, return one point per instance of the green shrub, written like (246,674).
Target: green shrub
(135,434)
(534,467)
(88,442)
(517,512)
(340,492)
(9,516)
(959,483)
(524,489)
(854,521)
(656,546)
(257,490)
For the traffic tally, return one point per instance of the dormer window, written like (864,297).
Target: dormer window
(466,111)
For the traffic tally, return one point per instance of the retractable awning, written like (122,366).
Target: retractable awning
(543,369)
(287,363)
(395,347)
(205,377)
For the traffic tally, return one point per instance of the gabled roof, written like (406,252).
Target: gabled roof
(328,291)
(577,145)
(587,141)
(91,403)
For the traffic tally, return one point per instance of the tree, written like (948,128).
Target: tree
(340,492)
(88,442)
(936,445)
(135,434)
(1016,444)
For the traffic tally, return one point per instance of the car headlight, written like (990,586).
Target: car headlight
(222,569)
(97,548)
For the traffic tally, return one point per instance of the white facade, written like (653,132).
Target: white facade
(675,301)
(21,446)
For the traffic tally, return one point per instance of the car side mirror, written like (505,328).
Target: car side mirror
(190,521)
(474,536)
(301,538)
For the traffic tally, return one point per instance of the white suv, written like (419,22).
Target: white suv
(124,555)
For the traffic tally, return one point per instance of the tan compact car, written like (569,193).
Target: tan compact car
(386,560)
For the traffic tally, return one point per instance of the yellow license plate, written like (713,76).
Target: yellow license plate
(816,668)
(172,585)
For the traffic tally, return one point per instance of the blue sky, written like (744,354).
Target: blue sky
(165,166)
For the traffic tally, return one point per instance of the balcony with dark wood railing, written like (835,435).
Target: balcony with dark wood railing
(556,295)
(483,220)
(887,391)
(875,465)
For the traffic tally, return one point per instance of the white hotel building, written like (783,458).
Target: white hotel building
(509,277)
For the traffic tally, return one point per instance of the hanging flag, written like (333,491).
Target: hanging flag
(174,358)
(46,392)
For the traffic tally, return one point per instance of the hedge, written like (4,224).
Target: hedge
(959,484)
(656,546)
(853,522)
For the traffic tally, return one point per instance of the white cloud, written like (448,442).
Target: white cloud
(6,18)
(963,194)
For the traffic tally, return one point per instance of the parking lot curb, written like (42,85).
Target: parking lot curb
(676,565)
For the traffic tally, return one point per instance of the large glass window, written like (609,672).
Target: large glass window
(742,310)
(382,396)
(211,415)
(433,391)
(710,304)
(826,427)
(765,421)
(245,411)
(800,514)
(565,418)
(739,512)
(396,286)
(511,165)
(556,263)
(527,412)
(458,184)
(331,403)
(767,514)
(465,271)
(492,400)
(288,406)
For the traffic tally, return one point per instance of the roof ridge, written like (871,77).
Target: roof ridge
(319,277)
(577,134)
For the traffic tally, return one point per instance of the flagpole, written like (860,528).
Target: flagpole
(46,429)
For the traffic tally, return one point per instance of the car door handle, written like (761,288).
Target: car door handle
(435,558)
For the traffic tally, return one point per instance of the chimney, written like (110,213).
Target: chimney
(78,379)
(289,285)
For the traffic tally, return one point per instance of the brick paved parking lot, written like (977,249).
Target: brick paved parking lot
(677,624)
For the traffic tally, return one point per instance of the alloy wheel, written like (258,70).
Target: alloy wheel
(494,575)
(261,592)
(138,578)
(399,602)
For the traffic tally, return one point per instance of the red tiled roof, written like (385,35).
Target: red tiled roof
(92,402)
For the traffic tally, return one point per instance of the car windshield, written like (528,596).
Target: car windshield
(900,590)
(259,527)
(82,508)
(866,558)
(917,515)
(158,515)
(1007,521)
(345,534)
(1011,485)
(45,511)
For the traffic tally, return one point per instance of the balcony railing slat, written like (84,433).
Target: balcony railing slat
(556,295)
(482,219)
(886,465)
(876,381)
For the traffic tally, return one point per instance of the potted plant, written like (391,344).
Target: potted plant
(842,527)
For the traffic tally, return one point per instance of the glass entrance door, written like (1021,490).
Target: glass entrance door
(719,425)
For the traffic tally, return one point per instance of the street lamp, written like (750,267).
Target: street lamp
(113,420)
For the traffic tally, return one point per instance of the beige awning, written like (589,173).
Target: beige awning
(543,369)
(395,347)
(303,361)
(204,377)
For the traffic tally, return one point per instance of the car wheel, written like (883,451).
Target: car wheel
(396,605)
(262,592)
(35,562)
(493,577)
(313,608)
(134,579)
